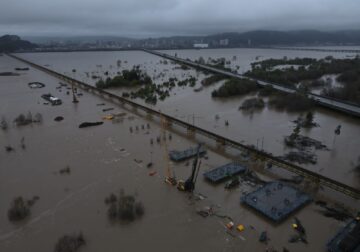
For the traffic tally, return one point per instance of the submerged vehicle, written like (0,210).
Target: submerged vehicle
(52,99)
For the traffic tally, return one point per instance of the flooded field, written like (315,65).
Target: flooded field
(107,158)
(265,129)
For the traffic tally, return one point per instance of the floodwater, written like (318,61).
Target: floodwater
(101,159)
(265,129)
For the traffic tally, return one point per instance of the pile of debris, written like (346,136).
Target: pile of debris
(301,157)
(302,143)
(336,211)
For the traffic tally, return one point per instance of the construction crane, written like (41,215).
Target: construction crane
(189,184)
(169,178)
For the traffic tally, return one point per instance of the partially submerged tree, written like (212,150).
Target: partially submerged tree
(19,209)
(70,243)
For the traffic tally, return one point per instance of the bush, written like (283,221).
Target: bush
(125,207)
(291,102)
(19,209)
(70,243)
(267,91)
(234,87)
(213,79)
(128,78)
(252,104)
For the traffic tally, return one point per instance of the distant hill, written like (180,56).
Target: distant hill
(259,38)
(266,38)
(11,43)
(271,38)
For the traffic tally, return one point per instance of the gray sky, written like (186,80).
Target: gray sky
(143,18)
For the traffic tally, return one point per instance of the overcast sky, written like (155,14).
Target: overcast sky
(144,18)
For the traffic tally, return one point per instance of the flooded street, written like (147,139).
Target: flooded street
(265,129)
(107,158)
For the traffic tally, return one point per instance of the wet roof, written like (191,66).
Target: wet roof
(347,239)
(185,154)
(220,173)
(276,200)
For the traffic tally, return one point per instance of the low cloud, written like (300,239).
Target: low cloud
(145,18)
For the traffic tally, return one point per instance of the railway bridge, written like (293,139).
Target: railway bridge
(315,177)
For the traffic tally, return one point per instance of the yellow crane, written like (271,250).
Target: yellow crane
(169,177)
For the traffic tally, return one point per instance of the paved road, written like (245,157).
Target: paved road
(334,104)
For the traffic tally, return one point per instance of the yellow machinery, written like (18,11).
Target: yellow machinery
(169,178)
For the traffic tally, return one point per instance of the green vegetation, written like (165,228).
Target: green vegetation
(20,208)
(189,81)
(314,69)
(151,93)
(252,104)
(213,79)
(270,63)
(295,102)
(70,243)
(128,78)
(350,89)
(235,87)
(125,207)
(266,91)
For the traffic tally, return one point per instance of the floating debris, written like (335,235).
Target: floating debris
(152,173)
(89,124)
(22,69)
(303,143)
(301,157)
(58,118)
(9,74)
(335,212)
(107,109)
(9,148)
(36,85)
(108,117)
(65,170)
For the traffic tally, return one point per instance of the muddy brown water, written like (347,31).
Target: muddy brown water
(102,161)
(264,129)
